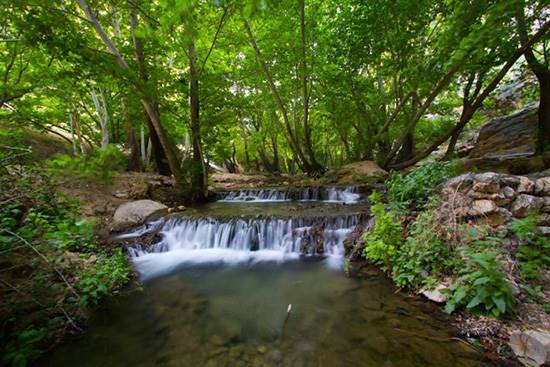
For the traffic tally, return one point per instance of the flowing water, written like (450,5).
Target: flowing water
(261,284)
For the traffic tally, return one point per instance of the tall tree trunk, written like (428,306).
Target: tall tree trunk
(542,72)
(161,161)
(292,137)
(305,93)
(149,106)
(199,179)
(544,110)
(134,162)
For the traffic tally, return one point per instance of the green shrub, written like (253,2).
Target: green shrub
(482,286)
(109,273)
(97,164)
(423,257)
(24,348)
(384,239)
(415,189)
(533,252)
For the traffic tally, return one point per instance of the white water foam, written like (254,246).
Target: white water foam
(191,241)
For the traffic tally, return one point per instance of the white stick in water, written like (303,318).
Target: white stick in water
(288,309)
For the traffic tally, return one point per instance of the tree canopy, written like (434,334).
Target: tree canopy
(276,86)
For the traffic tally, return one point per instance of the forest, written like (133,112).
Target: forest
(410,137)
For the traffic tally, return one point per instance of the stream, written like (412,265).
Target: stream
(256,279)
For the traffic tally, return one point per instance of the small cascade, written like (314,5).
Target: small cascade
(237,240)
(346,195)
(333,194)
(258,195)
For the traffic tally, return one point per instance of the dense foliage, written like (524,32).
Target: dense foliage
(53,266)
(275,86)
(468,261)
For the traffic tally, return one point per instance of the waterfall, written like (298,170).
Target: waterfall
(189,240)
(334,194)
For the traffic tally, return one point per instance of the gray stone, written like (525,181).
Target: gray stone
(542,186)
(532,347)
(525,204)
(137,212)
(545,231)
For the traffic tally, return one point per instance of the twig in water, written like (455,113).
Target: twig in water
(289,308)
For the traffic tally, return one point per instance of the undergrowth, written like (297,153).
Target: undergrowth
(98,164)
(53,267)
(425,253)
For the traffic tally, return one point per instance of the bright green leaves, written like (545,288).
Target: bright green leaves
(482,286)
(384,239)
(414,190)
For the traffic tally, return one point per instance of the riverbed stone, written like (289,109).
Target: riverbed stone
(525,204)
(137,212)
(532,347)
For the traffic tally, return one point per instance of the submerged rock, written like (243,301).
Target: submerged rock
(532,347)
(137,212)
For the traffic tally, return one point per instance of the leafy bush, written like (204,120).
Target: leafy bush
(97,164)
(24,348)
(415,189)
(424,256)
(482,286)
(109,273)
(384,239)
(534,249)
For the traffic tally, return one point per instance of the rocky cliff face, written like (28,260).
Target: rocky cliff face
(506,144)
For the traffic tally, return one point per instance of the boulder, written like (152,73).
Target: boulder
(137,212)
(508,136)
(532,347)
(525,204)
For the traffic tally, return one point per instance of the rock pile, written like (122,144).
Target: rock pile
(496,199)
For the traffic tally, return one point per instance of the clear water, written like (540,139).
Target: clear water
(218,302)
(234,316)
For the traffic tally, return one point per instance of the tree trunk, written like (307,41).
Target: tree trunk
(199,179)
(542,72)
(544,110)
(292,137)
(149,106)
(161,161)
(134,162)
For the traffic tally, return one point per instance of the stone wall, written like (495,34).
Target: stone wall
(496,199)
